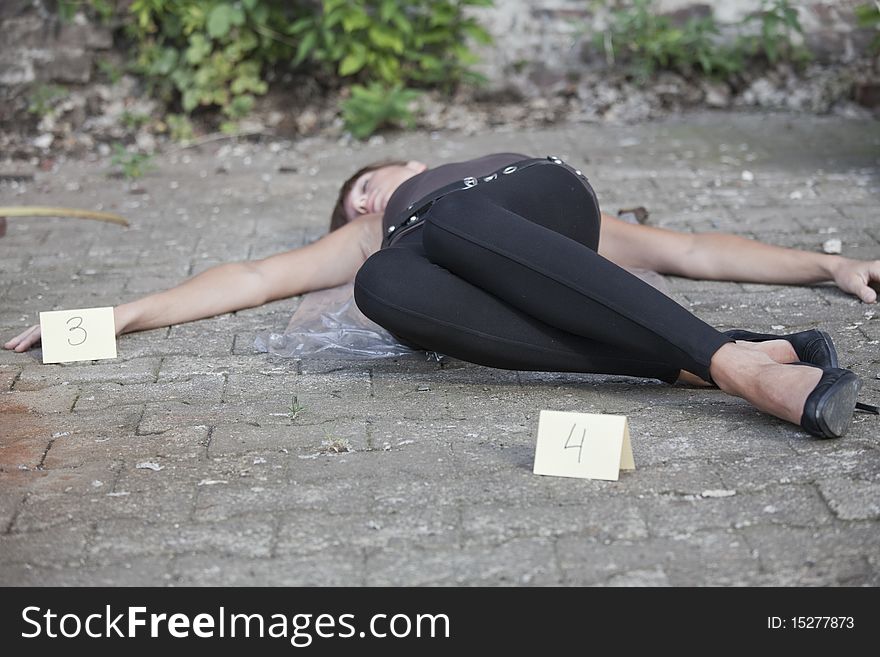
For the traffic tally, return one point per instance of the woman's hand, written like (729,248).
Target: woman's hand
(858,277)
(25,340)
(122,317)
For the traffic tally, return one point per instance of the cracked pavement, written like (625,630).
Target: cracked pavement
(437,487)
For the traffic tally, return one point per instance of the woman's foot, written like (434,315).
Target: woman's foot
(775,388)
(779,351)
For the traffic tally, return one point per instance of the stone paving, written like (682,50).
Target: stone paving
(437,488)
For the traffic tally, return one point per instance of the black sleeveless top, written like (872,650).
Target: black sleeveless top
(421,185)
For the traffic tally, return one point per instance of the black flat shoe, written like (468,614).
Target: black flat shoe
(829,407)
(813,346)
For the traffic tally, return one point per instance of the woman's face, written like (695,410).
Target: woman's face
(371,191)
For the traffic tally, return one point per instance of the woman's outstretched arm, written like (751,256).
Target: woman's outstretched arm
(332,260)
(725,257)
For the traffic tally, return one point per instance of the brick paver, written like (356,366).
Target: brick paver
(438,486)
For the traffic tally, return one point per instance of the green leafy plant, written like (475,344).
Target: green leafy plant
(377,105)
(776,22)
(131,164)
(868,15)
(701,48)
(134,120)
(67,9)
(179,126)
(646,41)
(295,408)
(44,97)
(110,70)
(403,42)
(211,53)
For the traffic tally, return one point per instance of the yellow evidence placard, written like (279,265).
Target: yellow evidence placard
(583,445)
(82,334)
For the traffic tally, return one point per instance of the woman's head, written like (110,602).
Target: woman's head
(369,189)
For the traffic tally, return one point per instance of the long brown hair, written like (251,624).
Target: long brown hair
(339,217)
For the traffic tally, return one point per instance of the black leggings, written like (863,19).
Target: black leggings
(507,274)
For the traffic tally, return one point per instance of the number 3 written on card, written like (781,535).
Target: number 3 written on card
(78,334)
(78,327)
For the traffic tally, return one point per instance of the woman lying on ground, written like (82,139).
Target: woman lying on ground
(506,261)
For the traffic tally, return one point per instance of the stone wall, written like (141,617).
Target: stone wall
(38,47)
(540,36)
(549,38)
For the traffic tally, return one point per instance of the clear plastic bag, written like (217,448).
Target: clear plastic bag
(329,324)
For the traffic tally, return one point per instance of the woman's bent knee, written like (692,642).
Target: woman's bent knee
(384,282)
(368,284)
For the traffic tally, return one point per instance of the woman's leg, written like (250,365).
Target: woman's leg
(561,281)
(567,204)
(425,304)
(558,280)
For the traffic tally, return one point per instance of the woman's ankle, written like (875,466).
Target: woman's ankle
(734,367)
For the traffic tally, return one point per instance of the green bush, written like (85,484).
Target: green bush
(646,41)
(776,21)
(209,53)
(220,53)
(408,42)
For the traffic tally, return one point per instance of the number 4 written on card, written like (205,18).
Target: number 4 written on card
(580,446)
(584,445)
